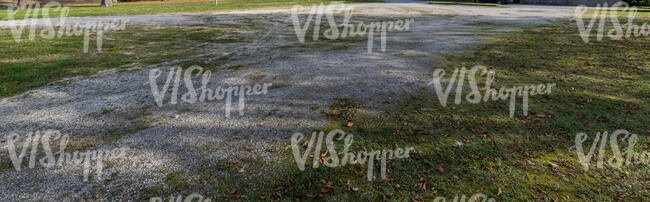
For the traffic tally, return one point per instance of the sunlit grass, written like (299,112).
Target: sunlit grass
(162,7)
(593,93)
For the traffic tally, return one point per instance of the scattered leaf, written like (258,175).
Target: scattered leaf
(233,191)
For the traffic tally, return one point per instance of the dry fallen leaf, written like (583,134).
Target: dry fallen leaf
(440,169)
(350,124)
(329,185)
(543,192)
(355,189)
(233,191)
(499,194)
(553,165)
(325,190)
(241,170)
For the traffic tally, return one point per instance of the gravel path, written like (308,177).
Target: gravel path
(187,137)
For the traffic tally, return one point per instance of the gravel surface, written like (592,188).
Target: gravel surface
(185,137)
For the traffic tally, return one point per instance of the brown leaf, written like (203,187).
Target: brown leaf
(355,189)
(233,191)
(350,124)
(329,185)
(499,193)
(325,190)
(553,165)
(440,169)
(241,170)
(543,192)
(530,162)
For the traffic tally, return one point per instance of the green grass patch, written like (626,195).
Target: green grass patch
(235,67)
(5,165)
(601,86)
(153,8)
(33,63)
(640,12)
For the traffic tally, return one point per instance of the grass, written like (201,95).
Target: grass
(167,7)
(34,63)
(601,86)
(609,79)
(447,3)
(6,164)
(641,12)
